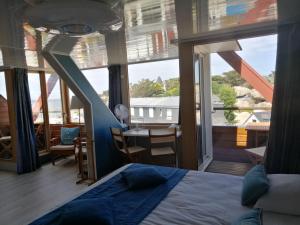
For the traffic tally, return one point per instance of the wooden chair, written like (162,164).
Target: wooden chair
(57,149)
(130,154)
(163,146)
(82,160)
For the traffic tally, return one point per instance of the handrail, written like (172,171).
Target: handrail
(242,108)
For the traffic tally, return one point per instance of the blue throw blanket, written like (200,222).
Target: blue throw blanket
(130,207)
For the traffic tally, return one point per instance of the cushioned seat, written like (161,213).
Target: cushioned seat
(65,144)
(162,151)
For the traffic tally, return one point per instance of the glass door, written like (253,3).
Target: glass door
(203,109)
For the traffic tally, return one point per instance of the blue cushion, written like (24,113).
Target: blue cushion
(67,135)
(250,218)
(143,177)
(94,211)
(255,185)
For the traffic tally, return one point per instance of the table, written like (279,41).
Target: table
(144,133)
(141,132)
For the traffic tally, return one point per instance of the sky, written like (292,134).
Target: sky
(259,52)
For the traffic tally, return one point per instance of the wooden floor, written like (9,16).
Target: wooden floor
(25,197)
(233,168)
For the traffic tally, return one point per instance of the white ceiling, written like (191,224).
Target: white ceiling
(150,29)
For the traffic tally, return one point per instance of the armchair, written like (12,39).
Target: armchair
(65,144)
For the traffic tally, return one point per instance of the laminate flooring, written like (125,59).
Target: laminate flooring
(25,197)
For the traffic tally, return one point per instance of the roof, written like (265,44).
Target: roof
(165,102)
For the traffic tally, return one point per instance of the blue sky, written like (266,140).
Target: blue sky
(259,52)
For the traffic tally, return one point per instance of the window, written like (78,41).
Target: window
(154,87)
(141,112)
(35,95)
(151,112)
(3,85)
(169,114)
(98,78)
(132,111)
(4,120)
(76,109)
(230,90)
(54,99)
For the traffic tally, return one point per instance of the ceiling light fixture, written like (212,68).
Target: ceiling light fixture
(74,17)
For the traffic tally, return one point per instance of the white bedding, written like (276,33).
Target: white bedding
(200,198)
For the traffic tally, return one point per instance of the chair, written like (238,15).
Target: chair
(82,160)
(130,154)
(60,149)
(163,146)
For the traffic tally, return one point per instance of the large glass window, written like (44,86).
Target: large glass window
(54,99)
(2,85)
(98,78)
(154,92)
(235,100)
(36,98)
(5,145)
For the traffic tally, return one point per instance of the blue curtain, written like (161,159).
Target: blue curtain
(115,86)
(283,150)
(27,155)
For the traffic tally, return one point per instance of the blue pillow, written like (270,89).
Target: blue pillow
(67,135)
(250,218)
(145,177)
(255,185)
(96,211)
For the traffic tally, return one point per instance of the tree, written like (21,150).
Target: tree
(271,77)
(172,87)
(147,88)
(228,96)
(233,78)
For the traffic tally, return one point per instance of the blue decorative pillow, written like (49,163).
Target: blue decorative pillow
(250,218)
(139,178)
(93,211)
(255,185)
(67,135)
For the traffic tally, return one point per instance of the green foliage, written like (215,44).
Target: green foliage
(228,96)
(233,78)
(172,87)
(158,88)
(147,88)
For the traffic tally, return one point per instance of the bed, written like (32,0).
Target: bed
(199,198)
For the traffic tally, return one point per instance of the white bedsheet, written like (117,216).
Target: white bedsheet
(200,198)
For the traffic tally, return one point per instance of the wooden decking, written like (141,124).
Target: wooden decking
(26,197)
(233,168)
